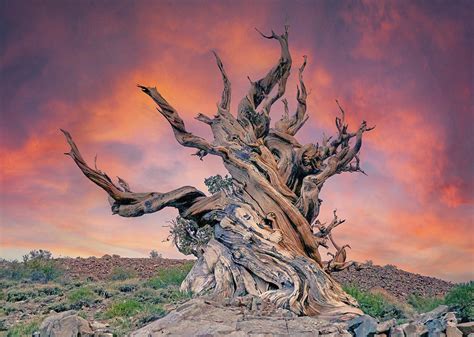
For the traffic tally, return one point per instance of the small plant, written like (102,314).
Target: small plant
(155,255)
(424,304)
(170,277)
(461,298)
(121,274)
(23,329)
(19,295)
(83,296)
(375,305)
(188,236)
(40,254)
(217,183)
(124,308)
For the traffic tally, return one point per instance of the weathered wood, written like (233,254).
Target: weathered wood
(266,229)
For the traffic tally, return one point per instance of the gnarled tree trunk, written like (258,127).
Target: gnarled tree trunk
(266,232)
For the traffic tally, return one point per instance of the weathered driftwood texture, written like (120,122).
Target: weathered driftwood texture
(266,231)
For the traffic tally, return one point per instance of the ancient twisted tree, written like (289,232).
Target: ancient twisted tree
(266,229)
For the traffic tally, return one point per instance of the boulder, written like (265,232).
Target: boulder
(65,324)
(385,326)
(414,329)
(201,317)
(363,326)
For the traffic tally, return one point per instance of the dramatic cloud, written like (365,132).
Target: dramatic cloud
(405,66)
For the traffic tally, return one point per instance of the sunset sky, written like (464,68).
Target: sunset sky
(406,66)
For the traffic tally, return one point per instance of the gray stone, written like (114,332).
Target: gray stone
(433,314)
(396,331)
(199,317)
(363,326)
(414,329)
(65,324)
(385,326)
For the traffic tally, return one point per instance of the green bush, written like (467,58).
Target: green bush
(83,296)
(170,277)
(23,329)
(121,274)
(37,266)
(375,305)
(15,295)
(461,298)
(124,308)
(422,304)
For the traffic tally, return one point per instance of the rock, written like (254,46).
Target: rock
(98,326)
(450,319)
(65,324)
(466,328)
(452,331)
(396,331)
(414,329)
(200,317)
(363,326)
(385,326)
(433,314)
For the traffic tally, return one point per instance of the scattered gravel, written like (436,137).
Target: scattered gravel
(397,282)
(94,268)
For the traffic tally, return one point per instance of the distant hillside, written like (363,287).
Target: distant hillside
(393,280)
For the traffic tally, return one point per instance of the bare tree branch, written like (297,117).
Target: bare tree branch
(184,137)
(126,203)
(224,104)
(248,115)
(291,125)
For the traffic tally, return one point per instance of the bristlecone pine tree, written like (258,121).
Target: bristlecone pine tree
(266,232)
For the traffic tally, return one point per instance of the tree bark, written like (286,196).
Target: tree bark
(265,243)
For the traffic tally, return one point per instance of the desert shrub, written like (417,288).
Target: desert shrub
(102,292)
(150,313)
(49,291)
(461,298)
(127,288)
(154,254)
(172,276)
(124,308)
(40,254)
(23,329)
(15,295)
(37,266)
(172,294)
(13,270)
(83,296)
(188,237)
(145,295)
(60,306)
(121,274)
(375,305)
(424,304)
